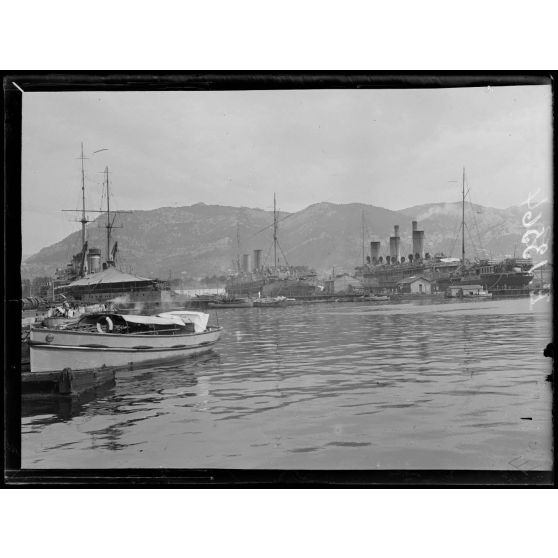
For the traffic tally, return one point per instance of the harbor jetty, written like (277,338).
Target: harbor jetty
(66,382)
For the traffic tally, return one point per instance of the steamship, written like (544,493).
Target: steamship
(510,277)
(258,280)
(254,279)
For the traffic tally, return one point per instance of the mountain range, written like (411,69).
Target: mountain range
(205,240)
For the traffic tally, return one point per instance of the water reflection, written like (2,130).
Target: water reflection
(51,409)
(133,389)
(326,386)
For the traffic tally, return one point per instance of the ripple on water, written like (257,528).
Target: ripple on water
(325,386)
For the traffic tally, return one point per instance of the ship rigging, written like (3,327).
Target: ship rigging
(85,279)
(509,277)
(258,279)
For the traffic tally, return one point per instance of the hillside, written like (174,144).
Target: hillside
(489,231)
(201,240)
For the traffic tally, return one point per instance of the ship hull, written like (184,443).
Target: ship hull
(244,288)
(123,297)
(48,358)
(271,288)
(497,284)
(54,349)
(506,283)
(288,288)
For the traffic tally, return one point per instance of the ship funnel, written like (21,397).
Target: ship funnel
(418,243)
(257,263)
(246,263)
(374,252)
(94,260)
(394,244)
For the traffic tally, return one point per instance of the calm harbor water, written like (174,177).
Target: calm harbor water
(449,385)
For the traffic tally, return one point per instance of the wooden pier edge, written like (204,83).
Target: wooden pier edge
(66,382)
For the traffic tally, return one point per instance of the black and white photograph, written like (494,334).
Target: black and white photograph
(288,277)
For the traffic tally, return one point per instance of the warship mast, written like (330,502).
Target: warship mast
(463,221)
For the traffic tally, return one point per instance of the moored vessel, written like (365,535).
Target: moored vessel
(89,280)
(230,302)
(462,290)
(382,274)
(256,279)
(117,340)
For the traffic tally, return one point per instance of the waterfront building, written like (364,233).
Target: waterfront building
(415,285)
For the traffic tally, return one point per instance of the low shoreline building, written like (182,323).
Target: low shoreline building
(417,284)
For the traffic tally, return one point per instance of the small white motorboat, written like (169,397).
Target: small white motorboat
(118,340)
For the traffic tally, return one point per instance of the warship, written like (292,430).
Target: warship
(253,278)
(88,280)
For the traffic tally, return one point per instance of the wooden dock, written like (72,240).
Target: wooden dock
(66,382)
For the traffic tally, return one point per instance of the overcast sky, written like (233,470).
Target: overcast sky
(389,148)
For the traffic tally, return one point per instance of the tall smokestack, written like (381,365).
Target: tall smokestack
(94,260)
(374,252)
(418,244)
(246,262)
(257,263)
(394,244)
(415,225)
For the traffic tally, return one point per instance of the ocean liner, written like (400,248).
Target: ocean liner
(510,277)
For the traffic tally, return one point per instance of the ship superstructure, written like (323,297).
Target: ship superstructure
(256,279)
(88,279)
(382,273)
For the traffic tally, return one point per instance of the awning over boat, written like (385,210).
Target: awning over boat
(152,320)
(175,318)
(199,319)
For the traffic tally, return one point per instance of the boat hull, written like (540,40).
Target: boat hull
(50,358)
(52,349)
(46,336)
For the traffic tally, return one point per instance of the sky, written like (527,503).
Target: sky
(388,148)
